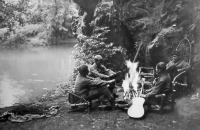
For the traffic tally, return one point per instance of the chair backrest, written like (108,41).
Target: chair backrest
(146,70)
(185,48)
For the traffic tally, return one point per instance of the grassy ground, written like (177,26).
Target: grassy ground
(186,116)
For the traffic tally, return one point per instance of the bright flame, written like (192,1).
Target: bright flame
(131,79)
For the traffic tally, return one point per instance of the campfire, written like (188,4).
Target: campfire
(130,84)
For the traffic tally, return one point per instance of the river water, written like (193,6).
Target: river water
(26,72)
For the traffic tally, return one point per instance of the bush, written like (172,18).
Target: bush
(15,40)
(113,56)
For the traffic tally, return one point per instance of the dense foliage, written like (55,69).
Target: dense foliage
(150,22)
(55,16)
(116,28)
(102,26)
(153,21)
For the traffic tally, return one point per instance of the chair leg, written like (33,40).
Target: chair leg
(89,107)
(88,110)
(172,105)
(161,105)
(173,101)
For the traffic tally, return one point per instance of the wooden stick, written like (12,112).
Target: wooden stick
(137,53)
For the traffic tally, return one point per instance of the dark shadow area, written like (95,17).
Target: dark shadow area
(182,92)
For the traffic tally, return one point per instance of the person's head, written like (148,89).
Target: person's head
(83,70)
(175,56)
(160,67)
(98,59)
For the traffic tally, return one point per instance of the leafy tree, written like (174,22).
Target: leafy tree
(10,13)
(103,25)
(55,14)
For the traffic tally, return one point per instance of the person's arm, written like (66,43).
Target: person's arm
(97,82)
(170,65)
(183,66)
(94,72)
(157,88)
(108,71)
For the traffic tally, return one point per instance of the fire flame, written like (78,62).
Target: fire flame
(131,79)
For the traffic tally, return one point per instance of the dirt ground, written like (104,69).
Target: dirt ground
(186,116)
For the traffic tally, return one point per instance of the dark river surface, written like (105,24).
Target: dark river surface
(27,72)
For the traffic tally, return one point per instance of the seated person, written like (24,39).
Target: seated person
(98,70)
(176,65)
(161,84)
(92,88)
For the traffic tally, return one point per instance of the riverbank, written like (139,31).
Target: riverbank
(186,116)
(31,35)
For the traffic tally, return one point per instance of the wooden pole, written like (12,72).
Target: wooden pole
(137,53)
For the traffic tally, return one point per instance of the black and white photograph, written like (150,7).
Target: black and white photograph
(99,64)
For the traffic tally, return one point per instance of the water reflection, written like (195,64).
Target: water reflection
(11,92)
(33,69)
